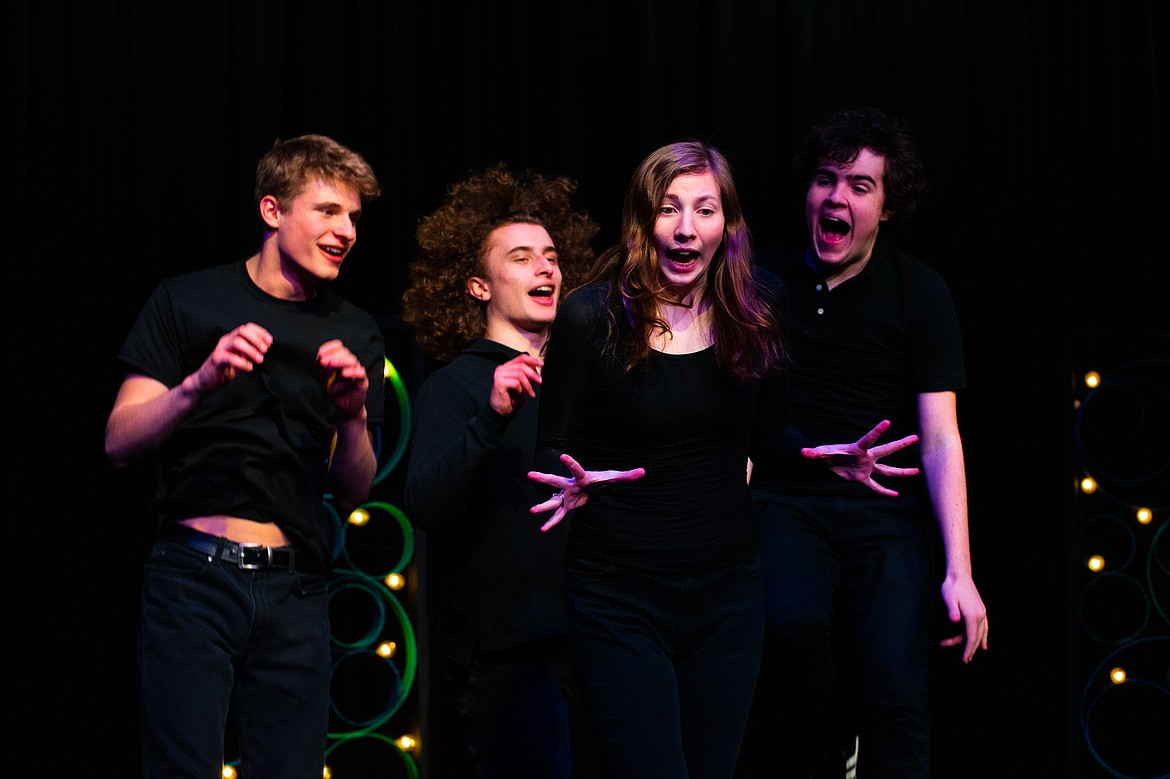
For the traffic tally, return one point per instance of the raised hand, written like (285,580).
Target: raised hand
(239,350)
(514,382)
(345,378)
(575,490)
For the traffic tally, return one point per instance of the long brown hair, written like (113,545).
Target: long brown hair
(746,330)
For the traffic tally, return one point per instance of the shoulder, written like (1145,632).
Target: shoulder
(910,271)
(480,358)
(218,275)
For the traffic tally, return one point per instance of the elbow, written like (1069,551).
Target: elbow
(116,452)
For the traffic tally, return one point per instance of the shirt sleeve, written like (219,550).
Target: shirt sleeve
(453,439)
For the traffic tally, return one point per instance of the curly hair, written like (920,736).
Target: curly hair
(747,332)
(841,138)
(452,245)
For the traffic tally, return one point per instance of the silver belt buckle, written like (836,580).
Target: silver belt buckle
(257,566)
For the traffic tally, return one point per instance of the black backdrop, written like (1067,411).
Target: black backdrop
(134,128)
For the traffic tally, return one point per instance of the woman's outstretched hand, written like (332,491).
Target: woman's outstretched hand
(574,491)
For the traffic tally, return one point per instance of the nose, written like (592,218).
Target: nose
(346,228)
(836,194)
(544,266)
(685,229)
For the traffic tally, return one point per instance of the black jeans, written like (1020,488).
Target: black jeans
(208,628)
(667,665)
(849,584)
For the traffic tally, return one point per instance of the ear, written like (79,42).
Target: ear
(886,214)
(270,211)
(478,288)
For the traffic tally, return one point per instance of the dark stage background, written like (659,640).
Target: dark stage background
(134,128)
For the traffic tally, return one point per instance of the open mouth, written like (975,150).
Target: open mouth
(333,251)
(682,256)
(544,291)
(833,228)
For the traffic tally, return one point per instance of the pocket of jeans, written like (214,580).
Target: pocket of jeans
(169,556)
(753,567)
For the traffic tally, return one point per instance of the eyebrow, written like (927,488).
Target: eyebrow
(835,173)
(530,249)
(355,215)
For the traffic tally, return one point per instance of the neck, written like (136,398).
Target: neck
(518,339)
(690,327)
(268,273)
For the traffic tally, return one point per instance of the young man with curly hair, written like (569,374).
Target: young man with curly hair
(494,261)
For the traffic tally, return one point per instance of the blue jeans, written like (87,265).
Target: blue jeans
(667,664)
(210,629)
(849,586)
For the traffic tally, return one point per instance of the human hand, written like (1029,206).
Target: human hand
(858,461)
(239,350)
(575,490)
(964,605)
(513,383)
(344,377)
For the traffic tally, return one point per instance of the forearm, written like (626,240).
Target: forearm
(353,465)
(947,484)
(145,415)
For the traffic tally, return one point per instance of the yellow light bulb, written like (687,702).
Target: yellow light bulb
(1096,562)
(387,649)
(1145,516)
(1117,675)
(1092,379)
(326,773)
(359,517)
(229,772)
(1088,485)
(406,743)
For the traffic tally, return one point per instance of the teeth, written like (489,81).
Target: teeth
(332,250)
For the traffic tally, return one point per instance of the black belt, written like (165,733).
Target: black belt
(246,556)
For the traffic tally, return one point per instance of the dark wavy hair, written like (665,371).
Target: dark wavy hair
(285,169)
(841,138)
(746,330)
(452,245)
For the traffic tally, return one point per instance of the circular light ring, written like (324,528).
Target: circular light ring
(1158,572)
(394,699)
(377,625)
(407,761)
(409,653)
(344,579)
(403,401)
(1135,405)
(1111,537)
(404,527)
(1119,591)
(1145,664)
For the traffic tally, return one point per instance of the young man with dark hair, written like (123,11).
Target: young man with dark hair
(872,333)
